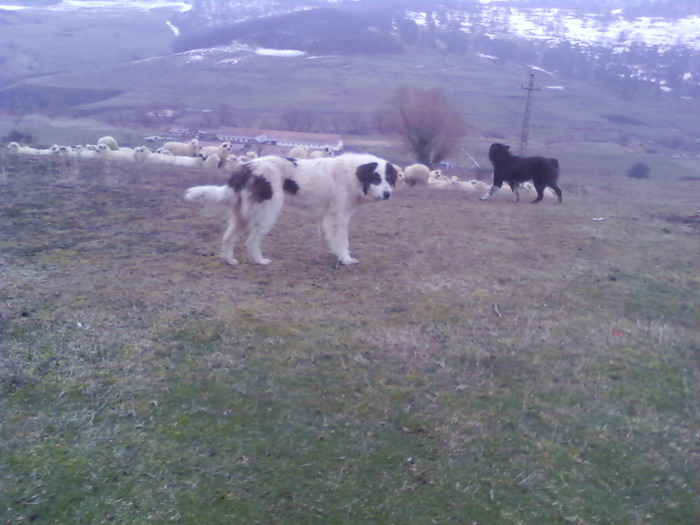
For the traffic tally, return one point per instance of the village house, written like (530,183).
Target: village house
(280,139)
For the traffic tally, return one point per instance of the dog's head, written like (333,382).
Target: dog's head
(498,151)
(377,179)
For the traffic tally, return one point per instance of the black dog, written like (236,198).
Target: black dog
(515,170)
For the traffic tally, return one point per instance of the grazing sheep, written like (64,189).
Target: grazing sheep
(15,149)
(190,162)
(107,153)
(248,156)
(439,181)
(53,150)
(530,188)
(515,170)
(213,162)
(298,153)
(83,152)
(416,174)
(231,162)
(325,152)
(183,149)
(146,156)
(109,141)
(472,186)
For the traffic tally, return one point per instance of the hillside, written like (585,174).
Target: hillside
(246,84)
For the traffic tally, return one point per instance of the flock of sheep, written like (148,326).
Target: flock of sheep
(192,155)
(421,175)
(187,154)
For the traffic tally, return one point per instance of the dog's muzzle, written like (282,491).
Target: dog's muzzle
(386,195)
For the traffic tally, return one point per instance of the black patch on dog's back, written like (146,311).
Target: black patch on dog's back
(366,175)
(290,186)
(260,189)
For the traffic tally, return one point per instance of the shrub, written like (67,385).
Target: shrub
(18,136)
(639,171)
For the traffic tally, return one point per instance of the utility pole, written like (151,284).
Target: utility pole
(528,106)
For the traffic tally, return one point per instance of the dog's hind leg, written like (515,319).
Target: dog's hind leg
(235,225)
(514,186)
(557,191)
(539,187)
(263,218)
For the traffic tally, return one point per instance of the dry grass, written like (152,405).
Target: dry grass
(484,363)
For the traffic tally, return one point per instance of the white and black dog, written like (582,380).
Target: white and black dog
(515,170)
(330,188)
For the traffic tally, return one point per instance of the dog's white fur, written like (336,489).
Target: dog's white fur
(329,188)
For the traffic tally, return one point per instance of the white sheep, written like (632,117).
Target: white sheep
(54,150)
(222,150)
(13,147)
(298,153)
(472,186)
(416,174)
(143,154)
(213,162)
(190,162)
(438,180)
(107,153)
(183,149)
(83,152)
(247,156)
(529,187)
(325,152)
(231,163)
(109,141)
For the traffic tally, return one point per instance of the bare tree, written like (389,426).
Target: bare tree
(298,120)
(428,124)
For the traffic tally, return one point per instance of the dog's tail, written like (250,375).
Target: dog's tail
(219,194)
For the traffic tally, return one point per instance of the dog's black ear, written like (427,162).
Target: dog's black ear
(391,174)
(365,174)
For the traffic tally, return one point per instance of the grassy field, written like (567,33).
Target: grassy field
(485,363)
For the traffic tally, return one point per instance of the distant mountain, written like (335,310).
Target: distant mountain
(632,47)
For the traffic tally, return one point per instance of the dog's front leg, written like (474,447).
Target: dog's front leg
(229,241)
(491,191)
(335,229)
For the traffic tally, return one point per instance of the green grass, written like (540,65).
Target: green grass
(472,368)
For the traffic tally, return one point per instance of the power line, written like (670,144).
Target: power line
(528,107)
